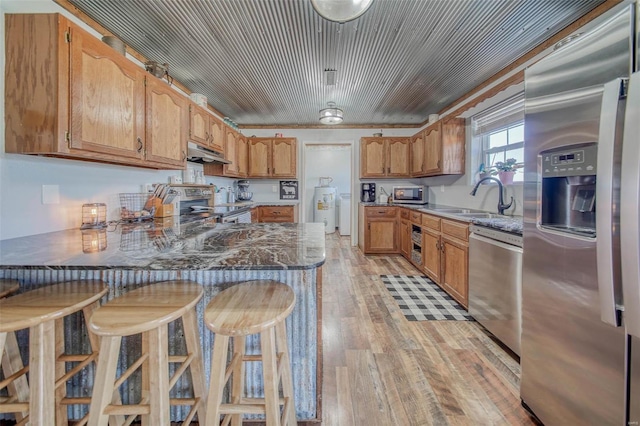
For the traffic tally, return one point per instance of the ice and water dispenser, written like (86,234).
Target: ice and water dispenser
(568,190)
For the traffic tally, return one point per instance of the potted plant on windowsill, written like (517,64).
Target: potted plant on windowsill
(505,170)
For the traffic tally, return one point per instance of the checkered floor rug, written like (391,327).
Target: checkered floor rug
(420,299)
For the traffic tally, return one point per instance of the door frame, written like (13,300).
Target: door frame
(352,180)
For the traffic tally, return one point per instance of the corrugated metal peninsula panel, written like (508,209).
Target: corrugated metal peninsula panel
(301,330)
(262,62)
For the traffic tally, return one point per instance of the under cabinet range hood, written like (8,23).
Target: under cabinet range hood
(198,154)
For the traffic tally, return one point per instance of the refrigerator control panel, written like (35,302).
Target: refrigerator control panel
(570,162)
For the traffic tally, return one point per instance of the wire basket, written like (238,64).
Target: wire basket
(132,207)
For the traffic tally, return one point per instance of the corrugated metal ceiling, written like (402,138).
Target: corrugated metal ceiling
(262,61)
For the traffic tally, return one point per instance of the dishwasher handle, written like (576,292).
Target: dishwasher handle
(495,242)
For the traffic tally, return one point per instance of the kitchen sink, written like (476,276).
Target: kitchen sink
(480,215)
(456,211)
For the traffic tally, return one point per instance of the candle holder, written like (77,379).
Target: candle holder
(94,240)
(94,216)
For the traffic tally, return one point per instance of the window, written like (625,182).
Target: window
(499,131)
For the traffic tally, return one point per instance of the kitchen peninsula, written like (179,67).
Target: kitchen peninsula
(212,254)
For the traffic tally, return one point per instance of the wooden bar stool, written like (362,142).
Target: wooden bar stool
(18,389)
(148,310)
(249,308)
(42,311)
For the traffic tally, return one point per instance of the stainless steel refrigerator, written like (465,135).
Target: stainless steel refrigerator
(581,293)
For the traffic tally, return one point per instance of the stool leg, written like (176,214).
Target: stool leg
(287,381)
(192,340)
(103,387)
(270,373)
(11,363)
(94,341)
(42,373)
(61,391)
(237,388)
(216,380)
(159,376)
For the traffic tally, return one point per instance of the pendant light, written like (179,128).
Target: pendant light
(341,10)
(331,114)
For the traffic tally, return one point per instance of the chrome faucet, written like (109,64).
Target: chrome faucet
(501,205)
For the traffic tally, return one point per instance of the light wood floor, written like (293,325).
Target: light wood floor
(380,369)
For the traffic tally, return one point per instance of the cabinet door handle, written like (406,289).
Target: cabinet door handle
(442,247)
(388,169)
(140,145)
(184,155)
(207,136)
(437,246)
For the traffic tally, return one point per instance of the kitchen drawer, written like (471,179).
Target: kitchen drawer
(456,229)
(276,214)
(404,214)
(381,212)
(431,222)
(416,217)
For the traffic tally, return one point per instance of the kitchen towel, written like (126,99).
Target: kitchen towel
(420,299)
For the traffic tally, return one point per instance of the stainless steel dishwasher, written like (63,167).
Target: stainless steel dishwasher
(495,283)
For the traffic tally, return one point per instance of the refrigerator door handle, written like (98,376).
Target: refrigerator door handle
(629,209)
(604,200)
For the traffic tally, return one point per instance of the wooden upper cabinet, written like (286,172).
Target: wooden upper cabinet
(199,129)
(283,158)
(167,124)
(384,157)
(398,157)
(217,134)
(259,153)
(444,148)
(372,157)
(242,155)
(68,94)
(433,149)
(273,158)
(205,129)
(107,99)
(417,154)
(231,150)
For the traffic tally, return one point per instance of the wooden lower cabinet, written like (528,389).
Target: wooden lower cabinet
(277,214)
(405,238)
(380,230)
(431,254)
(455,269)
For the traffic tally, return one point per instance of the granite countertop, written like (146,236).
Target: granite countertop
(190,246)
(511,224)
(261,203)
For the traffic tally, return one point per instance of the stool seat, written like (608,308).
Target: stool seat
(249,308)
(8,286)
(48,303)
(145,308)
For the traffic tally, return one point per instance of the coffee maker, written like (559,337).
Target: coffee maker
(368,192)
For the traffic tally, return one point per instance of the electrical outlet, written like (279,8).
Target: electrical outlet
(50,194)
(274,188)
(441,188)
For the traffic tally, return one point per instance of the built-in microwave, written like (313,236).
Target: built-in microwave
(413,194)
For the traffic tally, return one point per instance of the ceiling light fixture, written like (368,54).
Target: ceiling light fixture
(341,10)
(331,115)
